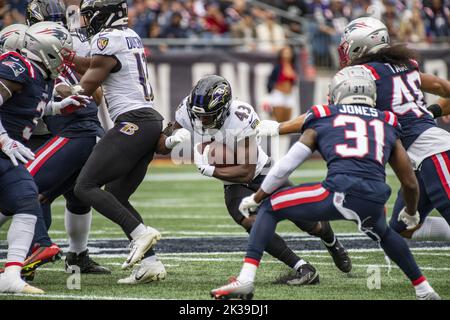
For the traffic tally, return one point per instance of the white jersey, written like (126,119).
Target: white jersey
(432,141)
(238,125)
(128,88)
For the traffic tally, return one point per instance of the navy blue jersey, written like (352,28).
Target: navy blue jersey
(82,123)
(398,90)
(356,141)
(19,114)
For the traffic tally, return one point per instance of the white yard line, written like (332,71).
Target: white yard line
(74,296)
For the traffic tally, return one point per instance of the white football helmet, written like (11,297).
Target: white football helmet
(11,37)
(353,85)
(45,42)
(362,36)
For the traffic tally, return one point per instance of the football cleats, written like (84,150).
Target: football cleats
(362,36)
(209,102)
(353,85)
(11,37)
(46,10)
(101,14)
(234,290)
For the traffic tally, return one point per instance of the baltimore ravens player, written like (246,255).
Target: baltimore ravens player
(211,115)
(60,159)
(356,141)
(25,85)
(399,89)
(120,159)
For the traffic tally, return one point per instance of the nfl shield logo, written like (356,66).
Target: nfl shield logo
(102,43)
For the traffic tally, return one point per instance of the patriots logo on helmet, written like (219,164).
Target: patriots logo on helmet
(61,35)
(218,96)
(102,43)
(15,67)
(355,26)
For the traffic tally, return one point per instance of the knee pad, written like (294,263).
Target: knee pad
(29,206)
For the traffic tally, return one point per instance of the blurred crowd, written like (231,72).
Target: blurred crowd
(322,21)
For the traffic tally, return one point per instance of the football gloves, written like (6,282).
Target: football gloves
(179,136)
(66,106)
(201,161)
(267,128)
(15,150)
(410,221)
(249,206)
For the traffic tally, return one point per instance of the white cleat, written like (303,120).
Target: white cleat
(429,296)
(140,246)
(16,285)
(234,290)
(145,272)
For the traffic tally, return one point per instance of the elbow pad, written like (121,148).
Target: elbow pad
(281,171)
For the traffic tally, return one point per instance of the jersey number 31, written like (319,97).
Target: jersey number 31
(361,137)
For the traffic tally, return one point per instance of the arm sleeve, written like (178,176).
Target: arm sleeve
(281,171)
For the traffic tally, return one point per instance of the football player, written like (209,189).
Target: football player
(120,159)
(211,115)
(60,159)
(25,85)
(356,141)
(400,86)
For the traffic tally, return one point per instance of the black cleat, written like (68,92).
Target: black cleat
(85,263)
(305,275)
(340,256)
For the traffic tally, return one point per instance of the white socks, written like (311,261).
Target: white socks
(138,231)
(433,229)
(3,219)
(299,264)
(248,271)
(150,259)
(77,228)
(20,236)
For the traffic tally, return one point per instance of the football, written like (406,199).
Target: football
(219,154)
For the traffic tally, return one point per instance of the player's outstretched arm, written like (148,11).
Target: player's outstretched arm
(435,85)
(401,165)
(292,126)
(270,128)
(99,70)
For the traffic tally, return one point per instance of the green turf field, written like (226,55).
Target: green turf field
(186,206)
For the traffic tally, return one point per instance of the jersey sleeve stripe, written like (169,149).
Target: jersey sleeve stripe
(322,111)
(390,118)
(27,63)
(372,71)
(315,111)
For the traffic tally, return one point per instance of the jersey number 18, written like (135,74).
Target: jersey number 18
(141,62)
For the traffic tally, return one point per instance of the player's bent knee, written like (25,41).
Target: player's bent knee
(83,189)
(29,206)
(78,208)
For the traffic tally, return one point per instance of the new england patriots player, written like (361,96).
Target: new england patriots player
(399,89)
(120,159)
(210,114)
(25,86)
(60,159)
(356,141)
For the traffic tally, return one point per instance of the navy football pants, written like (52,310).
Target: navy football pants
(18,191)
(434,182)
(315,203)
(55,169)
